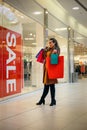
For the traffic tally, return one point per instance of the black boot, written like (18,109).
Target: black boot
(41,102)
(52,90)
(45,92)
(53,103)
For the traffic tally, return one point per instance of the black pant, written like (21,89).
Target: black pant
(46,90)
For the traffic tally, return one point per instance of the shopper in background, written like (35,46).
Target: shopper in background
(49,83)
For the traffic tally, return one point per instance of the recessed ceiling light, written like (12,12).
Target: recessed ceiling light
(60,29)
(79,37)
(29,38)
(22,16)
(46,12)
(34,43)
(26,38)
(30,34)
(75,8)
(37,13)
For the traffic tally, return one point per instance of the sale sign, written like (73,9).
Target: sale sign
(12,69)
(1,63)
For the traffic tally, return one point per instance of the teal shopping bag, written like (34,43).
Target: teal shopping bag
(54,58)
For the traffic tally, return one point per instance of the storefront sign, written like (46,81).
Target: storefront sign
(12,63)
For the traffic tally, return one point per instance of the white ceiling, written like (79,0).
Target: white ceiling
(81,14)
(53,23)
(28,7)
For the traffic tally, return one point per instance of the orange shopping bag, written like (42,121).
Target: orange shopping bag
(55,71)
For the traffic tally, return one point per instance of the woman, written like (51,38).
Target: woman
(49,83)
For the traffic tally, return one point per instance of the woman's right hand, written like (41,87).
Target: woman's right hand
(46,48)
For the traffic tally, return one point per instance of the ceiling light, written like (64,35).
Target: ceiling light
(69,28)
(30,34)
(75,8)
(46,12)
(29,38)
(37,13)
(79,37)
(60,29)
(34,43)
(22,16)
(26,38)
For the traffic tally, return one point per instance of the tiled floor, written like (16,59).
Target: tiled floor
(70,113)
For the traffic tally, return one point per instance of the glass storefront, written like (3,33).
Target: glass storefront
(10,53)
(80,55)
(21,37)
(25,38)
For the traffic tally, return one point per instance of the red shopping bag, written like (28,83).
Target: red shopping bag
(39,53)
(40,57)
(57,70)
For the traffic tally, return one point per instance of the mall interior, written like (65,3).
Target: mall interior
(25,28)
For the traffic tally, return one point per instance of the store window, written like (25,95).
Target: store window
(33,42)
(80,55)
(25,38)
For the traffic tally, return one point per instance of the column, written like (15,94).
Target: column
(71,53)
(45,26)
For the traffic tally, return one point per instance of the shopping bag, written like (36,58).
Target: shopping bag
(55,70)
(54,58)
(40,57)
(41,50)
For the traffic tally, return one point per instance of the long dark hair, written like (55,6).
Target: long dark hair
(56,44)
